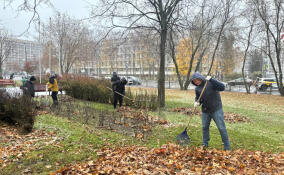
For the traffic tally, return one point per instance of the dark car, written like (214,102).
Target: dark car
(239,81)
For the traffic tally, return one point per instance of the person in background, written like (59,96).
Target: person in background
(211,107)
(28,87)
(12,76)
(115,79)
(53,87)
(119,92)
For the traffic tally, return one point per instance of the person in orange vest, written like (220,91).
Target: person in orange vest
(53,87)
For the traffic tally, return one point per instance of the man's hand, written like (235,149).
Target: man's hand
(196,104)
(208,78)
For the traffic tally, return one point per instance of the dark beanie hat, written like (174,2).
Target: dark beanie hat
(32,78)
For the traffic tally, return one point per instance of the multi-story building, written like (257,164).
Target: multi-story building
(22,51)
(134,55)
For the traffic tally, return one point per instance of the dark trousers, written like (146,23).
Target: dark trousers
(54,97)
(119,98)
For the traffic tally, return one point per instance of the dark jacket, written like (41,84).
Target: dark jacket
(120,87)
(115,80)
(211,99)
(29,88)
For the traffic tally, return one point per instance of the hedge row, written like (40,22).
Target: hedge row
(87,88)
(141,99)
(90,89)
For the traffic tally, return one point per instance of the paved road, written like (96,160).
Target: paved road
(175,85)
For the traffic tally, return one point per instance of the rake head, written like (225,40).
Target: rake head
(183,138)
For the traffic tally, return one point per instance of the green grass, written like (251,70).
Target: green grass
(78,145)
(264,133)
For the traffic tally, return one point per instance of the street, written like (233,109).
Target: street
(175,85)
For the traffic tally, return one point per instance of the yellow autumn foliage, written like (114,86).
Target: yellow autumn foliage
(183,56)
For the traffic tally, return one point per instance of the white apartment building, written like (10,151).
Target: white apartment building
(137,56)
(21,52)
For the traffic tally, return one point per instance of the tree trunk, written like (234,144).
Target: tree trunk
(60,68)
(161,78)
(194,51)
(216,47)
(187,81)
(178,75)
(244,62)
(1,71)
(172,47)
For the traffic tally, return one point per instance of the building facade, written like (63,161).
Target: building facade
(135,55)
(23,51)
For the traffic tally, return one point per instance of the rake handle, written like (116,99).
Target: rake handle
(202,92)
(121,94)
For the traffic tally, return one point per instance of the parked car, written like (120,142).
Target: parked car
(264,83)
(239,81)
(131,80)
(108,77)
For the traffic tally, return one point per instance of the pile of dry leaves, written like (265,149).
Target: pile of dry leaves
(172,159)
(14,146)
(142,115)
(228,116)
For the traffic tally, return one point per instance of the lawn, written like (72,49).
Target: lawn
(70,141)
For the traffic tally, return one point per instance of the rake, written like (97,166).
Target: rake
(128,97)
(121,94)
(183,138)
(46,98)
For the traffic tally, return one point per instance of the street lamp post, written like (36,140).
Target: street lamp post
(39,51)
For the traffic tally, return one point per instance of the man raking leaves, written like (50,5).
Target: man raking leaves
(211,107)
(118,87)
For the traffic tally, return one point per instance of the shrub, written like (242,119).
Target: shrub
(87,88)
(90,89)
(141,99)
(18,111)
(254,75)
(232,76)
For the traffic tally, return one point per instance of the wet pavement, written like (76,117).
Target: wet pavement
(238,88)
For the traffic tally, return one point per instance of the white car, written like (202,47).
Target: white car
(131,80)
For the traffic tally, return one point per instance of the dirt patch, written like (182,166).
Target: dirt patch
(228,116)
(173,159)
(132,122)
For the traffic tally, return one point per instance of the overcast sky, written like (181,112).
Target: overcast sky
(17,22)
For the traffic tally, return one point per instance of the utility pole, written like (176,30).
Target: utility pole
(49,57)
(39,51)
(49,50)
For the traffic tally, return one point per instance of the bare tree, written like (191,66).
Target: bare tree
(200,34)
(227,7)
(49,60)
(245,57)
(27,6)
(5,48)
(271,14)
(69,37)
(172,47)
(30,66)
(150,14)
(199,30)
(251,20)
